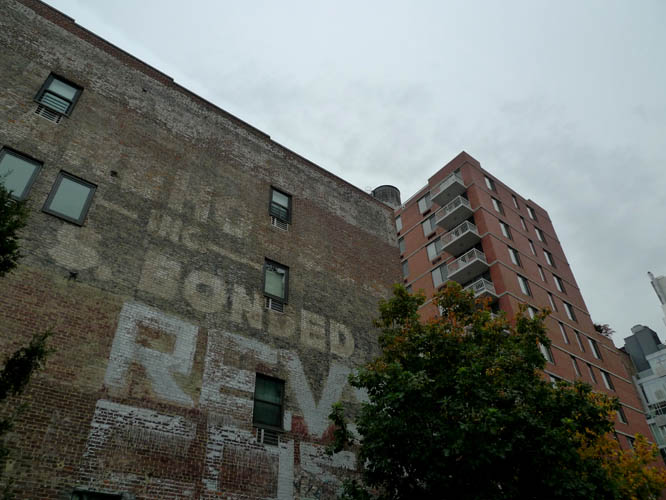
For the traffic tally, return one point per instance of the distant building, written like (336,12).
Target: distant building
(648,355)
(467,226)
(659,285)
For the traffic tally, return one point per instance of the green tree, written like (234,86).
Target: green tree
(13,215)
(458,408)
(20,365)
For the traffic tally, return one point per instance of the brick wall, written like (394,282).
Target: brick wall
(156,301)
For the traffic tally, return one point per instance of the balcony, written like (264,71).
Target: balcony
(448,189)
(453,213)
(483,288)
(470,265)
(460,239)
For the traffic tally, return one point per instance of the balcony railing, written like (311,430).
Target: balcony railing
(468,266)
(482,287)
(453,213)
(460,239)
(448,189)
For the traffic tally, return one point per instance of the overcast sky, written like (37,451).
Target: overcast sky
(564,101)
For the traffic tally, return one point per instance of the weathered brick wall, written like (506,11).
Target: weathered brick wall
(156,301)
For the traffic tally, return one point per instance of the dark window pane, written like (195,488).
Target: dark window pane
(279,211)
(15,173)
(267,413)
(54,102)
(275,281)
(62,89)
(268,390)
(70,198)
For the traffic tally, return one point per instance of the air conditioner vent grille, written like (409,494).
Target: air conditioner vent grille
(274,305)
(45,112)
(279,223)
(268,436)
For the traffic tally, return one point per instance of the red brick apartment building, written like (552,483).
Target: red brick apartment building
(467,226)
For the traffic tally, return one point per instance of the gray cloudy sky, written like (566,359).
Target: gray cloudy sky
(564,101)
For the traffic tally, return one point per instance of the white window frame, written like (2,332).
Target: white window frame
(564,333)
(551,299)
(532,247)
(424,203)
(576,367)
(514,256)
(524,285)
(497,205)
(434,248)
(594,347)
(608,382)
(541,273)
(506,230)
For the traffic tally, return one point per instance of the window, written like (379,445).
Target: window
(276,281)
(630,442)
(564,333)
(559,284)
(540,235)
(549,258)
(579,341)
(524,285)
(17,172)
(541,274)
(405,268)
(515,202)
(594,347)
(554,380)
(497,205)
(621,416)
(398,223)
(515,257)
(547,353)
(70,198)
(532,247)
(401,245)
(531,213)
(552,301)
(409,289)
(592,375)
(490,184)
(268,398)
(94,495)
(570,311)
(280,206)
(428,225)
(506,230)
(58,95)
(439,275)
(522,223)
(575,365)
(607,380)
(434,249)
(531,312)
(425,203)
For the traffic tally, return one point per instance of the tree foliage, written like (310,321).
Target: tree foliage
(458,408)
(13,215)
(19,366)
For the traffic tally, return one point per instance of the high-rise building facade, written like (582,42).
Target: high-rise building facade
(209,291)
(648,356)
(659,285)
(467,226)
